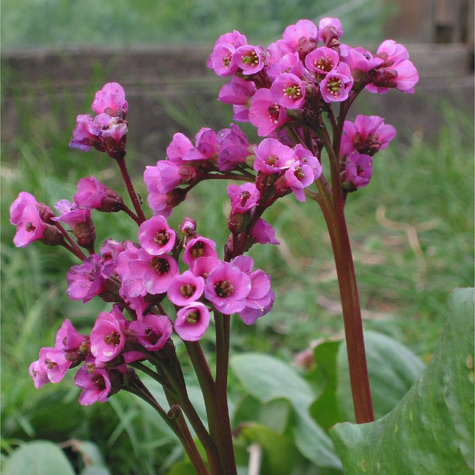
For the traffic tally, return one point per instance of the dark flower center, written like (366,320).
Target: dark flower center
(224,288)
(160,265)
(187,290)
(198,249)
(112,338)
(193,317)
(161,238)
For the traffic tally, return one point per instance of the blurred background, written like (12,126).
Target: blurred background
(411,228)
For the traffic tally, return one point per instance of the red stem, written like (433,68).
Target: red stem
(131,190)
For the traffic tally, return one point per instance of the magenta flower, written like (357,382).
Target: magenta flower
(163,203)
(221,59)
(362,60)
(178,147)
(238,91)
(152,332)
(192,322)
(111,100)
(264,233)
(25,216)
(204,265)
(164,176)
(110,252)
(243,198)
(227,288)
(322,60)
(233,148)
(96,385)
(86,280)
(288,91)
(185,289)
(68,338)
(129,253)
(206,146)
(265,113)
(92,194)
(198,247)
(358,172)
(156,237)
(337,84)
(107,336)
(302,29)
(38,374)
(367,135)
(54,363)
(250,59)
(273,157)
(298,177)
(155,272)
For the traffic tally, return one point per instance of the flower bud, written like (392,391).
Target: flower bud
(238,222)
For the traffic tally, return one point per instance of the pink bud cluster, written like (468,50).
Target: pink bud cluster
(138,276)
(106,131)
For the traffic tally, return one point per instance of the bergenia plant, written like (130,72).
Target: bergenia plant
(297,92)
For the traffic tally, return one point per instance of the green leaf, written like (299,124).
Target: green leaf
(431,429)
(278,456)
(326,409)
(38,458)
(267,379)
(392,369)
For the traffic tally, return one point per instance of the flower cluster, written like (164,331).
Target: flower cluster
(138,276)
(106,131)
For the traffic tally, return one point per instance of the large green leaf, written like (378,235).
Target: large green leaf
(267,379)
(392,369)
(38,458)
(431,429)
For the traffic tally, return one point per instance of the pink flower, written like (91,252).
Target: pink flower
(238,91)
(178,147)
(260,299)
(233,148)
(152,331)
(249,58)
(322,60)
(243,198)
(273,157)
(92,194)
(107,336)
(367,135)
(110,252)
(358,172)
(111,100)
(155,272)
(204,265)
(263,233)
(96,385)
(362,60)
(38,374)
(337,84)
(396,71)
(163,203)
(156,237)
(192,322)
(265,113)
(206,146)
(86,280)
(25,216)
(167,175)
(198,247)
(185,289)
(302,29)
(221,59)
(68,338)
(54,362)
(227,288)
(288,91)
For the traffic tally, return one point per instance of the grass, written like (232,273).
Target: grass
(412,236)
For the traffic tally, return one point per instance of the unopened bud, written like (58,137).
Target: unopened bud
(85,233)
(238,223)
(52,236)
